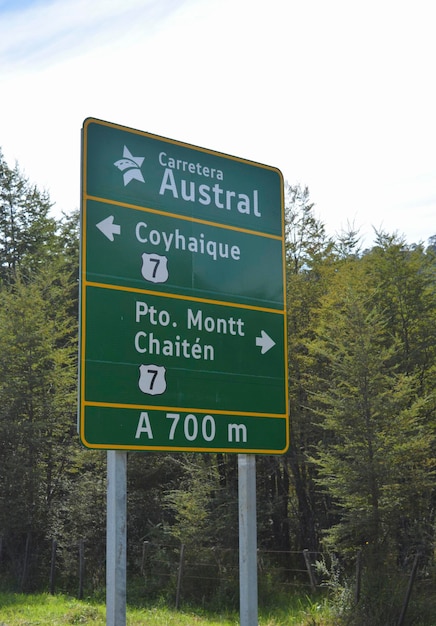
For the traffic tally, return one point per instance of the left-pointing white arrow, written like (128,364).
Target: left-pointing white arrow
(265,342)
(108,228)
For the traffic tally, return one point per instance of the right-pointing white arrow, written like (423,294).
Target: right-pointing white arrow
(108,228)
(265,342)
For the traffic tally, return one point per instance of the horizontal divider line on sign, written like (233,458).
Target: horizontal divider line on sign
(177,296)
(143,407)
(187,218)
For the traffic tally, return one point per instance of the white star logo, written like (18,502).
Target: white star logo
(131,164)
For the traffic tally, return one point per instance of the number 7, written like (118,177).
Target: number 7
(156,261)
(153,373)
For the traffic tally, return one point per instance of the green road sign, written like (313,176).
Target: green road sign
(183,321)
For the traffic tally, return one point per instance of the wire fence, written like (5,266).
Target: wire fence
(177,572)
(200,572)
(180,571)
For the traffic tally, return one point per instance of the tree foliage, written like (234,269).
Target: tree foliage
(359,473)
(378,441)
(27,233)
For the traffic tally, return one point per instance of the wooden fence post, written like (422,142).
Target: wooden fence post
(179,575)
(145,545)
(81,567)
(54,546)
(25,562)
(309,570)
(409,590)
(358,576)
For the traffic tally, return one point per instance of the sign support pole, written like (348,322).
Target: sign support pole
(247,539)
(116,538)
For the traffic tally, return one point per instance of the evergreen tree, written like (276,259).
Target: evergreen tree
(310,262)
(401,280)
(38,365)
(376,459)
(37,404)
(27,233)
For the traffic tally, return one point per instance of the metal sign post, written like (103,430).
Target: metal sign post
(247,540)
(116,538)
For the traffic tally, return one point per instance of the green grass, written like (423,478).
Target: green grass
(60,610)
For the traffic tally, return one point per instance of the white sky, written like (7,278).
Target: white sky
(338,94)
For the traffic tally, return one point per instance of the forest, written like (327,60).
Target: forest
(356,485)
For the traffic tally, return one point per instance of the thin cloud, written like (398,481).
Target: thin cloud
(338,95)
(44,32)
